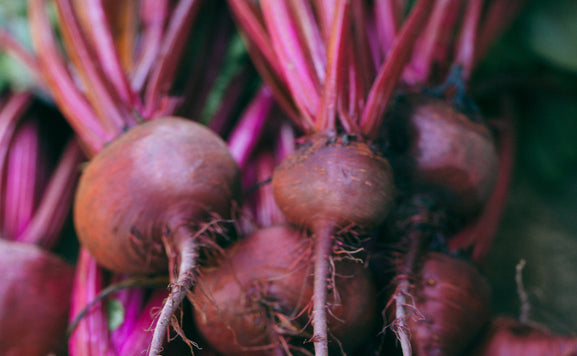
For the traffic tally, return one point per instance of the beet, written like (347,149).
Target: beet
(509,337)
(255,302)
(451,306)
(328,184)
(444,151)
(334,182)
(35,289)
(150,197)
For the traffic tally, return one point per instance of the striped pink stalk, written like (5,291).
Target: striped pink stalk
(36,188)
(117,325)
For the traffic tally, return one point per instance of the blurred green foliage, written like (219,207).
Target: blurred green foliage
(535,63)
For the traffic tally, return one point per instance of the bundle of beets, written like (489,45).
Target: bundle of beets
(306,177)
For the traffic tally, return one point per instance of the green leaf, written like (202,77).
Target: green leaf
(115,313)
(552,32)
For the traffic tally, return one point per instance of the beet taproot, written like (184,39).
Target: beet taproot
(327,184)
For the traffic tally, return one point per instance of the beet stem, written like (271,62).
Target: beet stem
(403,298)
(323,249)
(178,291)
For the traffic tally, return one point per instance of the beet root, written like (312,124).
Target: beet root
(146,201)
(508,337)
(329,183)
(344,183)
(255,301)
(451,303)
(445,152)
(158,177)
(35,288)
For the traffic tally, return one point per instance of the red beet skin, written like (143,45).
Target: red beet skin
(452,300)
(508,337)
(332,182)
(160,176)
(254,302)
(144,201)
(446,152)
(35,289)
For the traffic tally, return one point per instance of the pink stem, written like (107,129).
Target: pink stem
(22,184)
(387,78)
(155,13)
(112,112)
(387,24)
(293,57)
(248,130)
(311,35)
(253,25)
(481,232)
(70,100)
(336,69)
(323,248)
(11,111)
(465,52)
(168,59)
(265,60)
(325,10)
(360,45)
(140,337)
(91,336)
(106,51)
(50,215)
(220,121)
(132,301)
(430,42)
(267,211)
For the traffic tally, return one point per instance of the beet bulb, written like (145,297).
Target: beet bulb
(35,288)
(444,151)
(255,301)
(149,199)
(327,184)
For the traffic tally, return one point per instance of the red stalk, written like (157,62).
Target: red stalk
(387,23)
(70,100)
(264,58)
(361,48)
(431,42)
(52,211)
(465,52)
(113,113)
(171,49)
(480,233)
(292,56)
(99,28)
(252,23)
(390,72)
(154,14)
(24,179)
(12,109)
(310,32)
(248,130)
(336,69)
(91,335)
(326,11)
